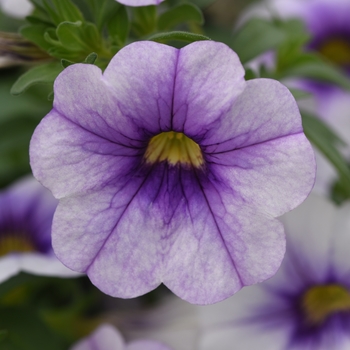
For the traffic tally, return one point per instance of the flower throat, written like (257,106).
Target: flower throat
(15,243)
(320,302)
(175,148)
(337,51)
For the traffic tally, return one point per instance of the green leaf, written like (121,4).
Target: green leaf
(310,65)
(91,58)
(69,34)
(66,63)
(144,20)
(256,37)
(68,11)
(326,141)
(35,33)
(181,13)
(26,331)
(45,73)
(300,94)
(177,36)
(106,11)
(118,27)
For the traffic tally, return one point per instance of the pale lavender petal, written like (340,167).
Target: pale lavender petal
(264,155)
(209,77)
(202,244)
(140,2)
(106,337)
(264,111)
(146,345)
(141,77)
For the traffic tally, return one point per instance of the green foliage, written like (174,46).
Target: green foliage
(179,14)
(119,27)
(327,141)
(45,74)
(144,20)
(23,329)
(177,36)
(256,37)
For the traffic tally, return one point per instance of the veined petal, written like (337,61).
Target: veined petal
(166,228)
(141,77)
(59,159)
(273,176)
(264,111)
(133,96)
(209,77)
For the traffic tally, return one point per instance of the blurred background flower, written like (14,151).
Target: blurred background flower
(306,305)
(26,212)
(106,337)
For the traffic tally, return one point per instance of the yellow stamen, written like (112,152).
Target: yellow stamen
(10,244)
(174,147)
(319,302)
(337,51)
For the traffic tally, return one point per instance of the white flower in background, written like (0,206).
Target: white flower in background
(306,305)
(106,337)
(329,24)
(16,8)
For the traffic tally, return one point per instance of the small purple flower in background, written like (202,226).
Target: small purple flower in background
(140,2)
(26,211)
(170,168)
(106,337)
(306,305)
(16,8)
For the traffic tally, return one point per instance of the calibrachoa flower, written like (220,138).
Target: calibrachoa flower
(170,168)
(26,211)
(107,337)
(306,305)
(140,2)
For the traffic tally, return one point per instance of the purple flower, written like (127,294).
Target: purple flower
(26,211)
(107,337)
(306,305)
(140,2)
(170,168)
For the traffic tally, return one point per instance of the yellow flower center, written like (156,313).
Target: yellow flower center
(174,147)
(15,243)
(319,302)
(337,51)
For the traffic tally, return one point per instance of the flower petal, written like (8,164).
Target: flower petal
(209,77)
(73,159)
(264,156)
(162,228)
(146,345)
(264,111)
(106,337)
